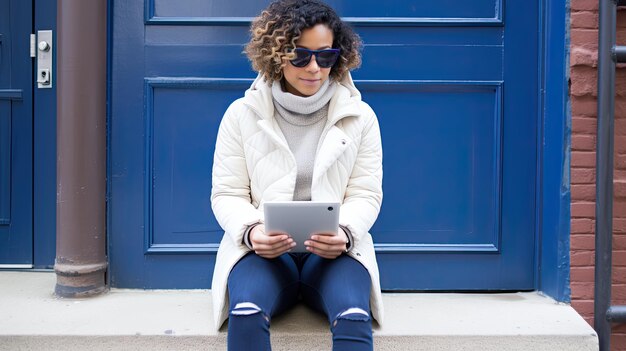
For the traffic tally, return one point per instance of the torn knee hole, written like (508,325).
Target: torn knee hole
(353,314)
(245,309)
(356,311)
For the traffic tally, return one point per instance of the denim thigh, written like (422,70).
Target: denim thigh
(334,286)
(271,284)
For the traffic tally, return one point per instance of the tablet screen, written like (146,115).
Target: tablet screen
(301,219)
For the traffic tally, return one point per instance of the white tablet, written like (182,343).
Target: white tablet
(301,219)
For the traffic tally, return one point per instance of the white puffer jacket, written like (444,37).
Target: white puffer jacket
(253,165)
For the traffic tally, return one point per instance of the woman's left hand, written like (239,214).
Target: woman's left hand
(328,245)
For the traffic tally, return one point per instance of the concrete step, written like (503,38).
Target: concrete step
(32,318)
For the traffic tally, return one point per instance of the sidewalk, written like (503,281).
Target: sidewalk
(32,318)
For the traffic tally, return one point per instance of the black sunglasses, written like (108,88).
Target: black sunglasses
(325,58)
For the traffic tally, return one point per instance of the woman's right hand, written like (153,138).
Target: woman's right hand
(270,246)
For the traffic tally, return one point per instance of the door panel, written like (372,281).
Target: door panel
(396,9)
(451,178)
(454,85)
(178,145)
(16,230)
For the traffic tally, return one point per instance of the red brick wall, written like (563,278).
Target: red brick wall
(583,75)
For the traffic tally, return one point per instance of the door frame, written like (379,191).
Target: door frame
(553,145)
(44,150)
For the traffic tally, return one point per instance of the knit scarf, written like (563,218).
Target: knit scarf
(300,110)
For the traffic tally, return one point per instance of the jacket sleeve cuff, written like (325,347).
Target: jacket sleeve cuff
(246,234)
(349,235)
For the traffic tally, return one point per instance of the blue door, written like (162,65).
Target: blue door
(455,88)
(16,130)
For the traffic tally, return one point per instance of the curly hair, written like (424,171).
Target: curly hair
(275,32)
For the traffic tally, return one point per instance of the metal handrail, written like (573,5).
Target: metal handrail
(616,314)
(608,55)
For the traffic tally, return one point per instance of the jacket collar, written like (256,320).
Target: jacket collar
(344,103)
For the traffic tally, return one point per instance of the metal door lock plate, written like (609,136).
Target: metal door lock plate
(44,59)
(43,77)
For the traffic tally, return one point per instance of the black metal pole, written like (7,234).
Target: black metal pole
(604,170)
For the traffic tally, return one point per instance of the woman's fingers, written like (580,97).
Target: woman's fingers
(327,245)
(268,242)
(269,246)
(330,239)
(272,253)
(263,241)
(280,247)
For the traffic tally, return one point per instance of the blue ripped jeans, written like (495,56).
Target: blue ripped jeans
(261,288)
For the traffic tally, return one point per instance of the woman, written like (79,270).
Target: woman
(301,133)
